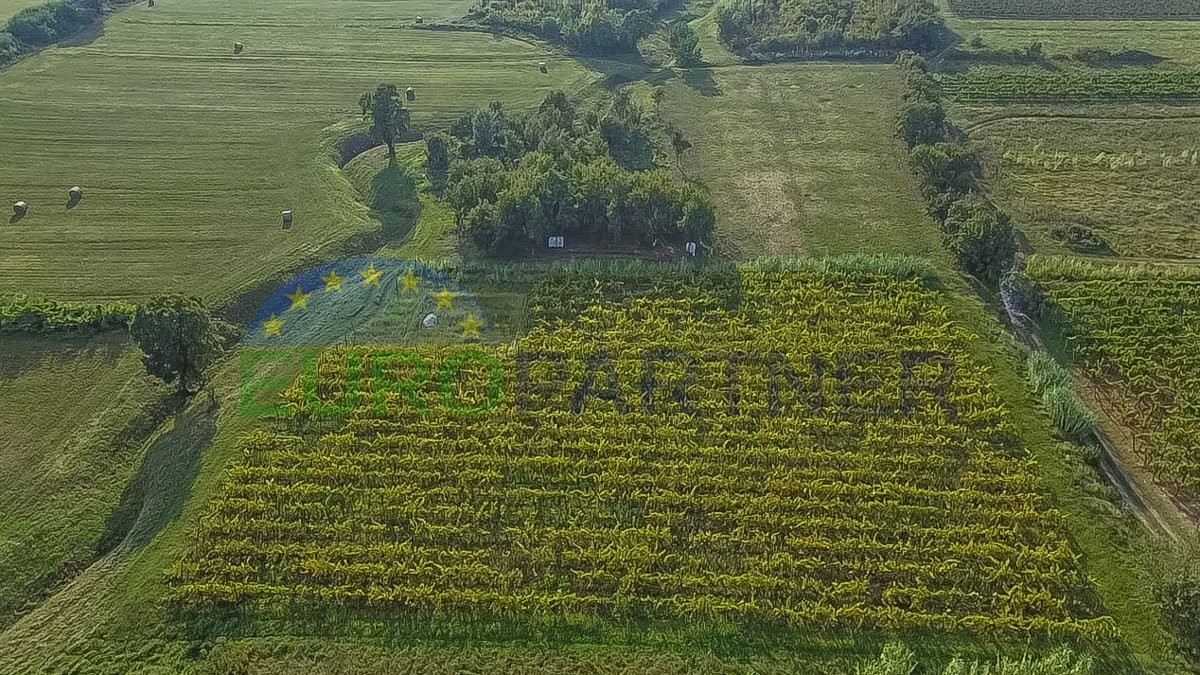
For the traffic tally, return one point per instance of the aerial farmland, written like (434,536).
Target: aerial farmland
(613,336)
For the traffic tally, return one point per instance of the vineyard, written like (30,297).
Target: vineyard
(1077,9)
(798,450)
(1039,85)
(1135,330)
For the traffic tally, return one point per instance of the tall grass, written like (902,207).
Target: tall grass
(898,659)
(1053,382)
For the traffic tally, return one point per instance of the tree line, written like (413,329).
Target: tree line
(38,27)
(585,174)
(596,27)
(979,235)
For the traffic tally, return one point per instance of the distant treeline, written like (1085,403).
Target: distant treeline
(23,314)
(768,30)
(35,28)
(588,175)
(596,27)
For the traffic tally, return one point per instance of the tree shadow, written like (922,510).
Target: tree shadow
(158,491)
(701,80)
(20,353)
(394,203)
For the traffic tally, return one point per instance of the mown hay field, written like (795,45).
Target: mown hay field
(801,159)
(1129,182)
(187,154)
(72,410)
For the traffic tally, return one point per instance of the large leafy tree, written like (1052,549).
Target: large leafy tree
(179,338)
(389,118)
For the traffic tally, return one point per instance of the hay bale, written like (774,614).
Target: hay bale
(150,3)
(238,47)
(430,321)
(20,208)
(287,220)
(410,94)
(420,20)
(542,66)
(75,193)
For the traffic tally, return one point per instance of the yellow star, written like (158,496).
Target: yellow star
(299,299)
(471,326)
(371,276)
(445,299)
(333,282)
(273,326)
(410,282)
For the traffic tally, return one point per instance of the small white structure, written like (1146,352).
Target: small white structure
(556,242)
(287,220)
(691,248)
(430,321)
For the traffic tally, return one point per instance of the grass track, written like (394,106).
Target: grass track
(801,159)
(187,154)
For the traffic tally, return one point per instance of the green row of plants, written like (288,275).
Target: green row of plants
(1037,84)
(1077,9)
(978,234)
(35,28)
(24,314)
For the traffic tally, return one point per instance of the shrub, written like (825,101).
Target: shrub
(437,160)
(23,314)
(684,45)
(923,123)
(947,167)
(1180,601)
(980,237)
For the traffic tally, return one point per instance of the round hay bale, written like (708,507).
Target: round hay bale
(287,220)
(20,208)
(542,66)
(420,20)
(150,3)
(238,47)
(410,94)
(430,321)
(75,193)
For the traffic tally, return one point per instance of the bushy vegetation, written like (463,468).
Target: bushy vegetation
(23,314)
(179,338)
(35,28)
(596,27)
(625,496)
(979,235)
(515,180)
(812,29)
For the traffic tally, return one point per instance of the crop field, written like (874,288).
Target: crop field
(63,463)
(187,154)
(801,159)
(1030,84)
(860,474)
(1129,182)
(1078,9)
(1134,328)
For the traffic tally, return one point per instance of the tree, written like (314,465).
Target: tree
(389,119)
(179,338)
(947,167)
(680,145)
(684,45)
(657,97)
(437,160)
(980,237)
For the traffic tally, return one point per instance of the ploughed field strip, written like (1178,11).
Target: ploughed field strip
(1135,329)
(797,449)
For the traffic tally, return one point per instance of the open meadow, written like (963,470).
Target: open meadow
(801,159)
(187,153)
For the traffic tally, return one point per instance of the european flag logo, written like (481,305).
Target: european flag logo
(369,301)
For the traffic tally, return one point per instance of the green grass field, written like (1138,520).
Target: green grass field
(187,154)
(10,7)
(801,159)
(73,416)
